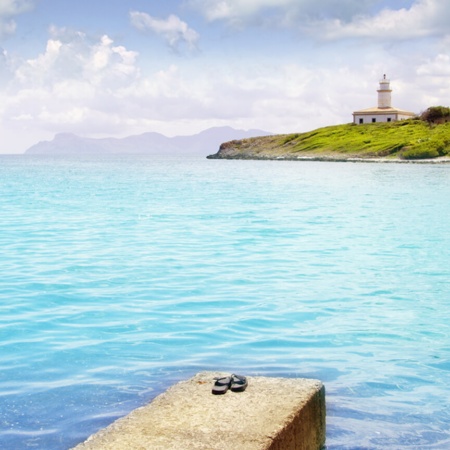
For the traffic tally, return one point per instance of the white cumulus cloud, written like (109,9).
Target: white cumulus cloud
(73,55)
(71,85)
(173,30)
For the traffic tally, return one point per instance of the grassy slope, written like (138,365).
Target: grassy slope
(408,139)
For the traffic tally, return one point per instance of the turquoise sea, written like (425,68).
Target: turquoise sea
(121,276)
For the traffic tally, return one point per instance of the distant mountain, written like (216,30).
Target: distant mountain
(201,144)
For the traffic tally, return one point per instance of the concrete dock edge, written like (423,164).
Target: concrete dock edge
(271,414)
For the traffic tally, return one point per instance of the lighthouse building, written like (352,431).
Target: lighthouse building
(384,112)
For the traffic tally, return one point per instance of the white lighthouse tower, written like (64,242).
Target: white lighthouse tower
(384,112)
(384,94)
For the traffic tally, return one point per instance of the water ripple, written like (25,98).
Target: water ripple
(122,276)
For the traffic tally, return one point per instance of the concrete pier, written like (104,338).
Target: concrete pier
(271,414)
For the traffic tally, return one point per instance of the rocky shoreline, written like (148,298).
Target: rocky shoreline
(329,158)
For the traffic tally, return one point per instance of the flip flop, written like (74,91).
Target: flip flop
(238,383)
(221,385)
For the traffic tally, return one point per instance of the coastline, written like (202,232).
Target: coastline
(407,141)
(328,158)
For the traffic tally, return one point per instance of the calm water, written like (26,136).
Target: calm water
(120,277)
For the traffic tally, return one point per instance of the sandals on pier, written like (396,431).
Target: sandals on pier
(237,383)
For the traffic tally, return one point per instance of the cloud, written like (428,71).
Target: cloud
(234,9)
(99,97)
(439,67)
(9,9)
(72,84)
(7,27)
(331,20)
(74,55)
(432,80)
(284,11)
(424,18)
(173,30)
(94,87)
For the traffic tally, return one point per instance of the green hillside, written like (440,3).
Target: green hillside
(407,140)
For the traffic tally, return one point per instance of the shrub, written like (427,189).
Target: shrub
(440,145)
(436,114)
(420,153)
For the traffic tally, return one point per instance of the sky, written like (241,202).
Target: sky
(114,68)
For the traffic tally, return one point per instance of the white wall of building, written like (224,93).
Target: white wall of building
(374,118)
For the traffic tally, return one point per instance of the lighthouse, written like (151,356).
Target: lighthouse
(384,112)
(384,94)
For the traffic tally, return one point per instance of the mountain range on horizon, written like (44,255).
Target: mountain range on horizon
(151,143)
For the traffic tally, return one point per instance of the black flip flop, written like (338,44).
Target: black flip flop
(221,385)
(238,383)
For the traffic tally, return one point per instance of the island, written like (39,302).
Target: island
(422,138)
